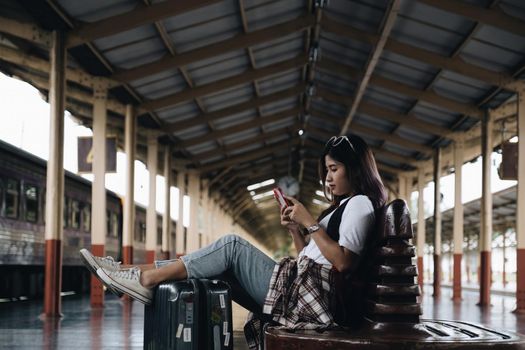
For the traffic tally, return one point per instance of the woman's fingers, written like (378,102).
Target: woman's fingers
(292,199)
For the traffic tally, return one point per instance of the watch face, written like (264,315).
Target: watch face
(289,185)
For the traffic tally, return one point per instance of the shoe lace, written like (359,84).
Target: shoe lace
(108,260)
(130,274)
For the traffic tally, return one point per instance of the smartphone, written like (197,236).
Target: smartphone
(279,196)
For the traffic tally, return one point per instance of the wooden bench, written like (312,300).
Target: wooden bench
(391,312)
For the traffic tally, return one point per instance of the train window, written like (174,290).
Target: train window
(75,214)
(86,217)
(31,197)
(140,232)
(12,199)
(114,225)
(108,223)
(67,202)
(2,192)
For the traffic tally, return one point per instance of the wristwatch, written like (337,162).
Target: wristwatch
(313,228)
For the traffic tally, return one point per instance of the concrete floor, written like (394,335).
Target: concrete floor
(119,325)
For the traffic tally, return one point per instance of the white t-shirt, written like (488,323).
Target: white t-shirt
(356,222)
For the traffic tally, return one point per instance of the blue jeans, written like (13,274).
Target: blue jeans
(232,258)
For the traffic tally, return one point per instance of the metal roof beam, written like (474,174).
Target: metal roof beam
(239,128)
(382,135)
(238,42)
(199,157)
(404,89)
(250,156)
(216,86)
(25,31)
(231,110)
(492,17)
(373,59)
(374,110)
(72,74)
(454,64)
(137,17)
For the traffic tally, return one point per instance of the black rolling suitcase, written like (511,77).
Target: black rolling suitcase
(217,315)
(191,314)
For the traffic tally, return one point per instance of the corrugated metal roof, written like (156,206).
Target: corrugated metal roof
(229,83)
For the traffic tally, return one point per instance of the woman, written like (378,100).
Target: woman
(334,241)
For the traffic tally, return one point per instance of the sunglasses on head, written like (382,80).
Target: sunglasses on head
(337,140)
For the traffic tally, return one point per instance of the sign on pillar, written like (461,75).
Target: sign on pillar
(151,211)
(98,189)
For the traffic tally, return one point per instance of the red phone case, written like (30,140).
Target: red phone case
(279,196)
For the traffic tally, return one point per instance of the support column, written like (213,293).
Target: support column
(402,187)
(485,239)
(193,229)
(205,213)
(520,206)
(129,199)
(179,236)
(437,223)
(421,235)
(151,212)
(166,219)
(98,189)
(55,179)
(458,220)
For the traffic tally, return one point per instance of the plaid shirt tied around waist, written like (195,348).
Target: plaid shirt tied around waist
(300,296)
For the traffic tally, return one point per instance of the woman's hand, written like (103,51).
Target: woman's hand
(293,227)
(298,213)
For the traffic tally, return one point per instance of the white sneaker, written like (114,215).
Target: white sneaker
(93,263)
(127,281)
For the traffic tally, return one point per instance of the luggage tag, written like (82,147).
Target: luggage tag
(222,301)
(187,335)
(179,330)
(227,339)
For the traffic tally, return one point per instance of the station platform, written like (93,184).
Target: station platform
(119,325)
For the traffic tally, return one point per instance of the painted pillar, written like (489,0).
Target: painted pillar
(205,213)
(179,235)
(402,190)
(420,226)
(98,189)
(458,220)
(520,206)
(55,179)
(166,218)
(151,211)
(485,239)
(193,229)
(129,199)
(437,223)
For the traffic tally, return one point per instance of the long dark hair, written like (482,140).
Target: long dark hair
(361,169)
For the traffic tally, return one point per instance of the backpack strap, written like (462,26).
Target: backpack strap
(332,229)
